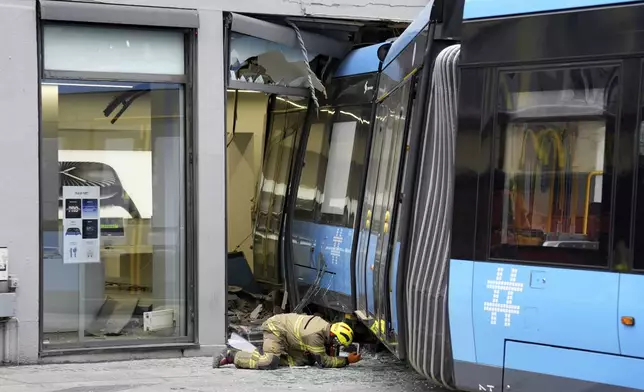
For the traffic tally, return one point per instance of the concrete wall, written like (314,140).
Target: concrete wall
(402,10)
(19,157)
(19,198)
(211,182)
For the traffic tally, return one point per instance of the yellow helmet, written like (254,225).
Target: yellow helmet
(342,332)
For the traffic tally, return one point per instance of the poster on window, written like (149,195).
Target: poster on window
(81,224)
(4,264)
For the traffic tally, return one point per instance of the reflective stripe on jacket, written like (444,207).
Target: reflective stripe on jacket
(302,334)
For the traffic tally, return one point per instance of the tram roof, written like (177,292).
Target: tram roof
(360,61)
(479,9)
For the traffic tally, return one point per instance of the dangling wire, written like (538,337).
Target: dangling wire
(232,137)
(310,74)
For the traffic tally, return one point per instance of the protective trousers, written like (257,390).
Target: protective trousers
(268,360)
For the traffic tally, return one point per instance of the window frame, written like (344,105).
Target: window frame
(340,116)
(187,80)
(637,137)
(334,115)
(611,137)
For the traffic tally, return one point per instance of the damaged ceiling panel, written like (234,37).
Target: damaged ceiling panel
(255,60)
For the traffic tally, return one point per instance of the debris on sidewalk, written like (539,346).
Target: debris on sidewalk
(196,374)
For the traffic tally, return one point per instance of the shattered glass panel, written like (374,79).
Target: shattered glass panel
(255,60)
(409,60)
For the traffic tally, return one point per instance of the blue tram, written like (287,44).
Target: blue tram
(470,191)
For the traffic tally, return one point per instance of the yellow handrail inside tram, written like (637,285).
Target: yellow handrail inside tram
(587,202)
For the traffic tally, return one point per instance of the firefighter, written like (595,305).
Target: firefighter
(293,340)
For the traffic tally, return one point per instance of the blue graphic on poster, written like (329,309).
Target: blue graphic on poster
(90,208)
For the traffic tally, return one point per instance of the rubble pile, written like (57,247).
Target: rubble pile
(247,312)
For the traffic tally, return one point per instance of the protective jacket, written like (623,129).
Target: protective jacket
(292,340)
(304,336)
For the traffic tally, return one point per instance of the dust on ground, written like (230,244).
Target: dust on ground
(377,373)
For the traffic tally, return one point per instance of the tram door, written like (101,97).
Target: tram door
(366,239)
(286,116)
(376,245)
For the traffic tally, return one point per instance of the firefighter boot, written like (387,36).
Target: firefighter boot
(225,357)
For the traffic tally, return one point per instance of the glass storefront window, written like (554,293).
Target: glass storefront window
(108,49)
(113,203)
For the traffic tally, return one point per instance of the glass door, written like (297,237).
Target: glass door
(378,213)
(386,208)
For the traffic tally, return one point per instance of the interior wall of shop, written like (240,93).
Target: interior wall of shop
(244,163)
(19,150)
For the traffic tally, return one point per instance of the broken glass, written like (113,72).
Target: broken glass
(255,60)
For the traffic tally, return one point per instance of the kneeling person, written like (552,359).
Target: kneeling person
(293,340)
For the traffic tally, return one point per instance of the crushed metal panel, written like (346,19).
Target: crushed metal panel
(286,36)
(259,61)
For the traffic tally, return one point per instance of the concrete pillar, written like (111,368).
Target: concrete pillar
(211,179)
(19,202)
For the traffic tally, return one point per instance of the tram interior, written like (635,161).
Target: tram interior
(549,181)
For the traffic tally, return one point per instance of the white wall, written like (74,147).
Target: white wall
(211,183)
(402,10)
(19,199)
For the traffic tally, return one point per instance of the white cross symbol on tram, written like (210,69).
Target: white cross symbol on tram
(510,287)
(336,250)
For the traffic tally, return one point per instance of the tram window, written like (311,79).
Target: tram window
(315,160)
(343,177)
(638,260)
(333,165)
(549,197)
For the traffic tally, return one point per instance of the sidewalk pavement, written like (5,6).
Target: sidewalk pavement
(375,374)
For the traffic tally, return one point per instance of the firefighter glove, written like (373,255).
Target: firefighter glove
(354,357)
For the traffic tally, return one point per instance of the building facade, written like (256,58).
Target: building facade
(114,132)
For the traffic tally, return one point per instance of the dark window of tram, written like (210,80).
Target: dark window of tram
(333,165)
(550,203)
(638,261)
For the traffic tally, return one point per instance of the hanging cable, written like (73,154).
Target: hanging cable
(309,72)
(315,287)
(324,69)
(232,137)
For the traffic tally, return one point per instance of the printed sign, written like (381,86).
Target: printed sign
(81,224)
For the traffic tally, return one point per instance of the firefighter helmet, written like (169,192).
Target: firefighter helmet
(342,332)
